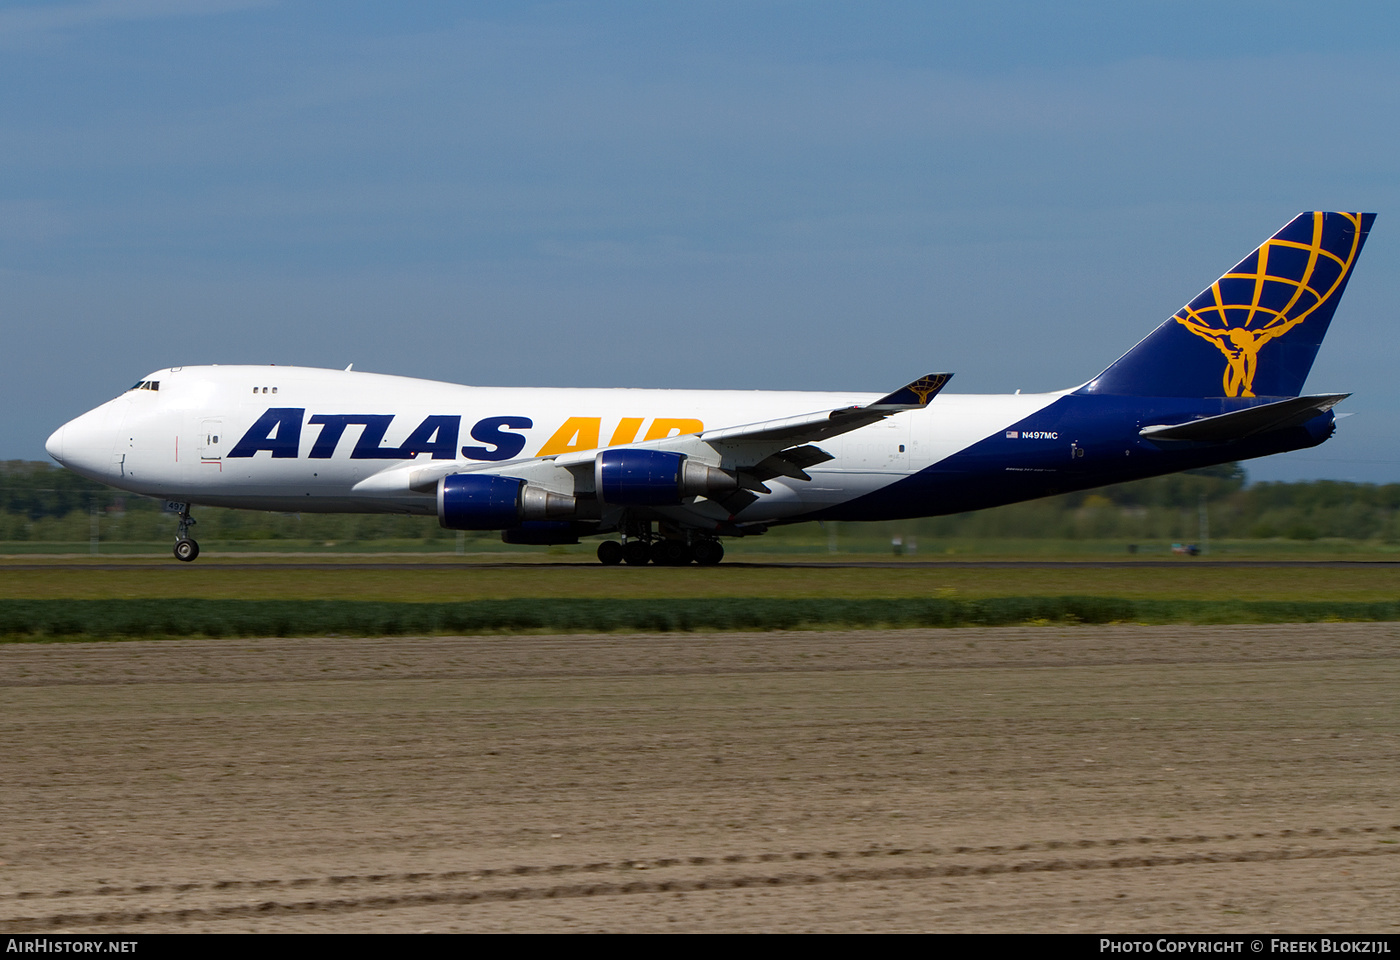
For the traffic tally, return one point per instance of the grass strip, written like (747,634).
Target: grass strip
(28,620)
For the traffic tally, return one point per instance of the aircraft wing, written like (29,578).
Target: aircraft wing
(754,452)
(749,445)
(829,423)
(786,447)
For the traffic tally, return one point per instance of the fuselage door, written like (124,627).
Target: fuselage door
(879,448)
(211,440)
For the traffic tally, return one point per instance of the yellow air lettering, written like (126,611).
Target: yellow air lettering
(577,433)
(663,427)
(626,431)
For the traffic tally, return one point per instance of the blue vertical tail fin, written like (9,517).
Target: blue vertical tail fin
(1255,331)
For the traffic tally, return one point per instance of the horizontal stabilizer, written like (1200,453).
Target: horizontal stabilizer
(1244,423)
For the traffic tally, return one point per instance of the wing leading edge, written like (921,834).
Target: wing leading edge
(752,452)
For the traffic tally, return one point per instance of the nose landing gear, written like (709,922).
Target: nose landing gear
(186,548)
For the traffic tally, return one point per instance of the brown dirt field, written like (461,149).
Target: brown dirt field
(1105,779)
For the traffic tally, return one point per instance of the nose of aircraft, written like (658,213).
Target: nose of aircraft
(84,444)
(54,445)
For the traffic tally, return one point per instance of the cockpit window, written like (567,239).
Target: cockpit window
(147,385)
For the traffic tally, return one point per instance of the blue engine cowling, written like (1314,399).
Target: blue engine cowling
(479,501)
(649,478)
(656,478)
(484,501)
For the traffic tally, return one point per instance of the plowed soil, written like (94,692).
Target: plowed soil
(1106,779)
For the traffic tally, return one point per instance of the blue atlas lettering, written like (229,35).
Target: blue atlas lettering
(333,428)
(435,435)
(492,430)
(277,431)
(368,448)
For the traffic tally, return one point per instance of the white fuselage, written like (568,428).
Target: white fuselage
(180,441)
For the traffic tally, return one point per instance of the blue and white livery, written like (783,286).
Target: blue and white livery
(674,471)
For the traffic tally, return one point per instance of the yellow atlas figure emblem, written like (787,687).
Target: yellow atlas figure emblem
(924,386)
(1260,307)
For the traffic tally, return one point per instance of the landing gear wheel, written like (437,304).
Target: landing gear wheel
(636,552)
(609,553)
(185,548)
(707,553)
(671,553)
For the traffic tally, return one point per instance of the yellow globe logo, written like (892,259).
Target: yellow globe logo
(1271,292)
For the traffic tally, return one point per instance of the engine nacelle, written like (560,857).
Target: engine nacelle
(656,478)
(483,501)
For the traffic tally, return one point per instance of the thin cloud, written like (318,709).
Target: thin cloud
(20,23)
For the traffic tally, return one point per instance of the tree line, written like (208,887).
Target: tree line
(43,503)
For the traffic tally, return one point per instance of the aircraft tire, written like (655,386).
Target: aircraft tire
(186,550)
(636,552)
(609,553)
(671,553)
(707,553)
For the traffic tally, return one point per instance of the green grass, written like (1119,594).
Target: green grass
(473,580)
(230,595)
(803,542)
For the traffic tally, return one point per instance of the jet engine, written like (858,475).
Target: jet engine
(482,501)
(655,478)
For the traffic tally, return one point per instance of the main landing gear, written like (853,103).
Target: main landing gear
(662,552)
(186,548)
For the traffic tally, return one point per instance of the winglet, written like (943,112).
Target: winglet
(915,395)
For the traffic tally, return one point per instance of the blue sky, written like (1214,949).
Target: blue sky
(757,194)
